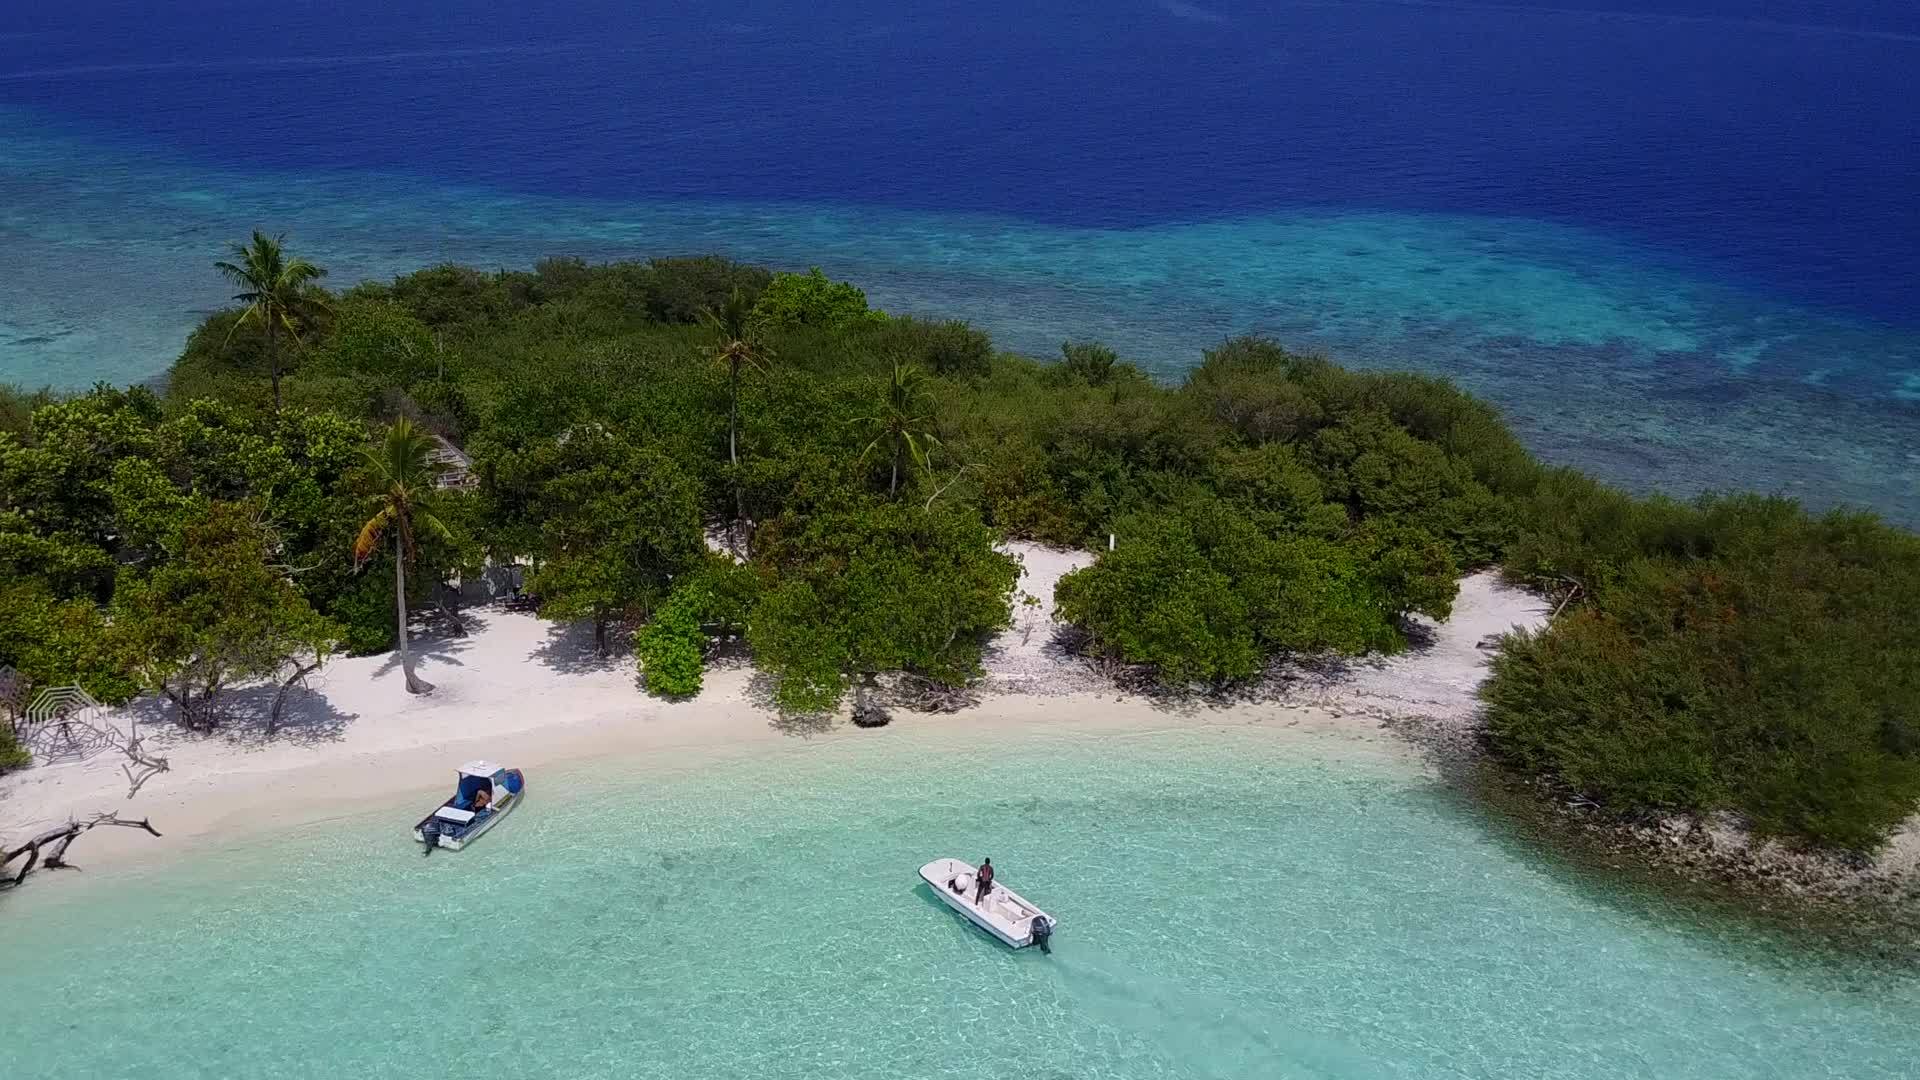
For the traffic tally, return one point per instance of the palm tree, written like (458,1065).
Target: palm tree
(903,423)
(274,289)
(737,344)
(403,463)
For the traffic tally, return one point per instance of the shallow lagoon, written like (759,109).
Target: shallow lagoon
(1233,904)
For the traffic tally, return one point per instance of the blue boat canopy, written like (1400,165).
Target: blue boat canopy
(478,776)
(471,786)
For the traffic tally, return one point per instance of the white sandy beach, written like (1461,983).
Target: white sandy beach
(531,694)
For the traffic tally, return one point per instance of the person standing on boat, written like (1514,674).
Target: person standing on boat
(983,881)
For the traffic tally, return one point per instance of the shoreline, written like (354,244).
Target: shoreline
(536,696)
(238,804)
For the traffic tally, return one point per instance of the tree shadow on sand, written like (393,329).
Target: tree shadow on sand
(307,718)
(427,647)
(760,691)
(440,623)
(1289,679)
(571,650)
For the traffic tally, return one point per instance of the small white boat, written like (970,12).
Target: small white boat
(1002,912)
(456,822)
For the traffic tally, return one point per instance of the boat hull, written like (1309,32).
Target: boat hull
(472,832)
(1008,916)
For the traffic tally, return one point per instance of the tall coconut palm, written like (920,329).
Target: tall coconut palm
(403,464)
(274,289)
(737,344)
(904,424)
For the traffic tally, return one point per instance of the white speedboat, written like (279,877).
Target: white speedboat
(456,822)
(1002,912)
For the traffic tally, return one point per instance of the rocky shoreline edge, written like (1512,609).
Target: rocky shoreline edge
(1856,903)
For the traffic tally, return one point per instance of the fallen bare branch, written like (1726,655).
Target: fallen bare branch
(63,837)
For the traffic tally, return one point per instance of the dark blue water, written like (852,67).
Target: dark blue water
(1781,139)
(1675,238)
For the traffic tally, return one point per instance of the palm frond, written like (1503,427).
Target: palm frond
(433,526)
(370,533)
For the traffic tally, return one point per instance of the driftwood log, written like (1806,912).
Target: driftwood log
(33,853)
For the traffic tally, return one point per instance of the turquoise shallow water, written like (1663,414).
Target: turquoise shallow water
(1232,905)
(1634,364)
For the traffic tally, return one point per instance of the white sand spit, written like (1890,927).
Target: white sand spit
(1439,677)
(1029,658)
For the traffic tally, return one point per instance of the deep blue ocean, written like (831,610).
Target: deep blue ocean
(1676,240)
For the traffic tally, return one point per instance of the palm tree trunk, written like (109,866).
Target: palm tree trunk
(733,448)
(273,357)
(893,485)
(415,685)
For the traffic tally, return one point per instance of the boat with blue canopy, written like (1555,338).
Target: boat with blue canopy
(483,794)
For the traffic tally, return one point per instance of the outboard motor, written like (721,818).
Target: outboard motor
(430,832)
(1042,930)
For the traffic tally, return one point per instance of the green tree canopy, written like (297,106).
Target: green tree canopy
(616,522)
(812,299)
(1203,595)
(873,588)
(217,613)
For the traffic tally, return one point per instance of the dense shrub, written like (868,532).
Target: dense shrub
(715,600)
(811,299)
(1748,658)
(54,642)
(365,609)
(1160,600)
(957,350)
(670,648)
(877,587)
(679,289)
(1204,595)
(617,523)
(1088,361)
(17,405)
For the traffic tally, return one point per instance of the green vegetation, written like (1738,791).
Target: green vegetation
(276,291)
(217,612)
(617,524)
(903,428)
(1733,654)
(1730,654)
(811,299)
(866,588)
(403,468)
(671,647)
(737,345)
(152,552)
